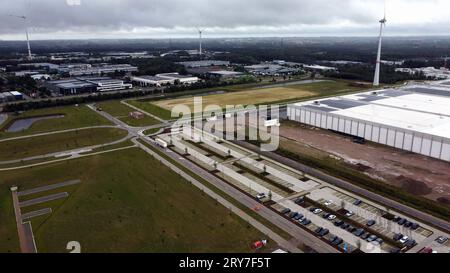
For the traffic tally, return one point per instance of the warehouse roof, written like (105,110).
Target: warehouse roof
(422,109)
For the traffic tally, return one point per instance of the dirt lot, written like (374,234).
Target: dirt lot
(417,174)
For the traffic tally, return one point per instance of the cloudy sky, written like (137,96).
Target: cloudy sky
(73,19)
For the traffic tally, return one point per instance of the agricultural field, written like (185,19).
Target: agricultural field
(41,145)
(73,117)
(122,112)
(274,94)
(137,206)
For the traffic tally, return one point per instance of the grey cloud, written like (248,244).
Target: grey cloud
(175,16)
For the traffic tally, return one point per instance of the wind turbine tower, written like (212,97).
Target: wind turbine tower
(27,35)
(376,80)
(200,35)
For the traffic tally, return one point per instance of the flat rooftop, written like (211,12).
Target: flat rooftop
(421,108)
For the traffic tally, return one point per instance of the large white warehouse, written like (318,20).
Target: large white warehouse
(412,118)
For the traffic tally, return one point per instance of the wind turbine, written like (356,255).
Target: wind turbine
(200,33)
(376,80)
(26,32)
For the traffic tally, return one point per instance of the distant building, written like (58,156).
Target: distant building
(319,68)
(205,63)
(86,85)
(224,74)
(438,74)
(182,79)
(45,66)
(151,81)
(75,70)
(269,69)
(38,77)
(25,73)
(10,96)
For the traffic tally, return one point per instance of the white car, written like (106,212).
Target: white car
(317,211)
(328,203)
(331,217)
(404,239)
(349,214)
(261,196)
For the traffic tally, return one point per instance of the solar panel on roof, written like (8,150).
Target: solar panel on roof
(430,91)
(319,108)
(342,104)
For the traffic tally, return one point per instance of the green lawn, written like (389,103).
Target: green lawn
(122,112)
(152,109)
(22,148)
(75,117)
(127,202)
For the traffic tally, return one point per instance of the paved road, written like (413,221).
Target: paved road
(351,187)
(74,151)
(36,213)
(25,232)
(289,246)
(44,199)
(48,188)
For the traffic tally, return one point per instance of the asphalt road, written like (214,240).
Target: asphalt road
(351,187)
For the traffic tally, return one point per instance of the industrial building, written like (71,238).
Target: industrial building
(269,69)
(10,96)
(86,85)
(76,70)
(225,74)
(182,79)
(413,118)
(205,63)
(151,81)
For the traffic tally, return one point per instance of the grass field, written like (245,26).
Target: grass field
(22,148)
(137,206)
(264,95)
(152,109)
(122,112)
(74,117)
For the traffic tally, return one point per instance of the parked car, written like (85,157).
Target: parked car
(404,239)
(285,211)
(328,203)
(410,243)
(298,216)
(331,217)
(365,235)
(370,223)
(442,240)
(371,238)
(337,242)
(415,226)
(306,222)
(397,236)
(357,202)
(300,200)
(351,229)
(401,222)
(407,224)
(349,213)
(358,232)
(345,226)
(317,211)
(312,209)
(324,232)
(325,215)
(261,196)
(396,219)
(318,230)
(339,223)
(292,215)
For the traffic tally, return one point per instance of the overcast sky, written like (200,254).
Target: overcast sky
(73,19)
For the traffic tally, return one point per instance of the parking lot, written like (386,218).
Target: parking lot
(345,221)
